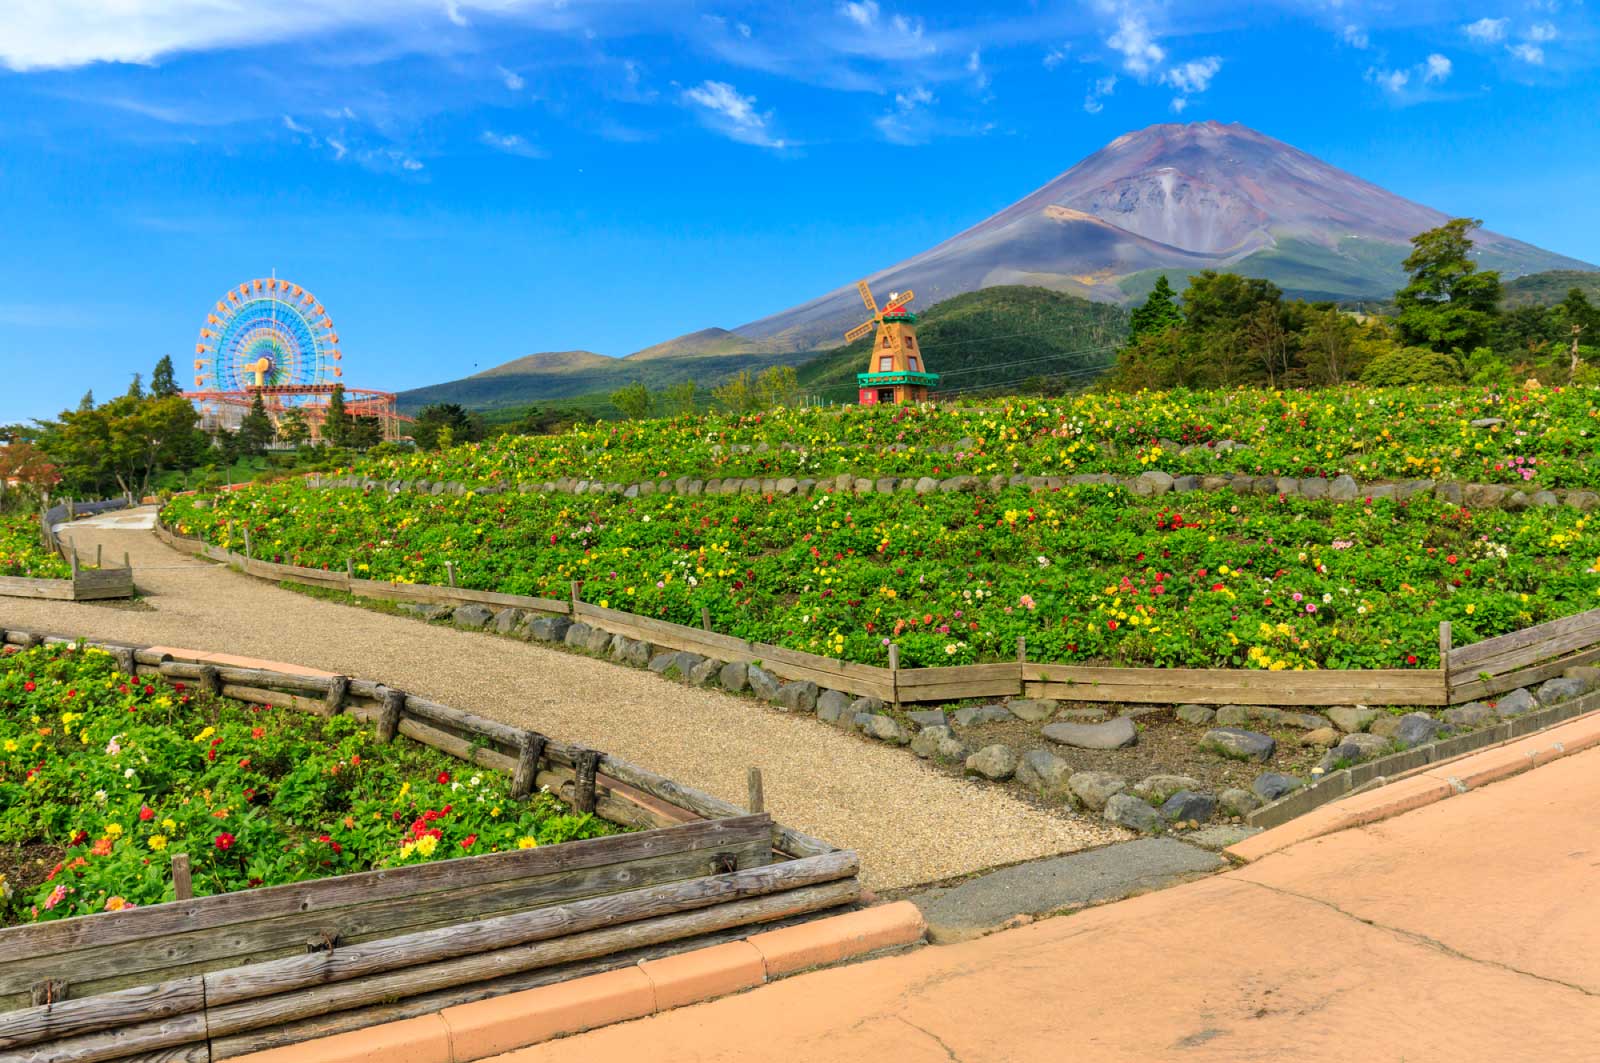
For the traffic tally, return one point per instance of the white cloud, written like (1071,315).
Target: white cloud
(1528,53)
(512,144)
(1542,32)
(452,11)
(339,150)
(908,122)
(292,126)
(1056,56)
(864,14)
(1391,81)
(1355,37)
(410,164)
(1193,77)
(1178,104)
(1098,91)
(732,114)
(1438,68)
(512,79)
(1136,44)
(1487,30)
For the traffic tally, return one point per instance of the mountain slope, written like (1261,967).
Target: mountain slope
(1548,289)
(1173,199)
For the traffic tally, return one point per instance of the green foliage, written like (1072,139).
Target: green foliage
(23,553)
(164,381)
(777,387)
(737,395)
(446,417)
(336,422)
(255,430)
(293,427)
(1412,365)
(678,399)
(118,445)
(1448,306)
(634,400)
(136,389)
(1550,287)
(1158,313)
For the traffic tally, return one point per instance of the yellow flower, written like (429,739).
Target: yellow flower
(116,904)
(158,842)
(205,733)
(528,842)
(11,745)
(114,829)
(169,825)
(427,844)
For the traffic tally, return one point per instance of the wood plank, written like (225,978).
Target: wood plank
(1216,686)
(665,634)
(509,737)
(1471,691)
(1472,656)
(957,691)
(27,587)
(911,678)
(309,899)
(1512,659)
(422,592)
(117,1043)
(66,1018)
(783,655)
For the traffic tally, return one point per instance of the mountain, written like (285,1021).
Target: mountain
(1173,199)
(1548,289)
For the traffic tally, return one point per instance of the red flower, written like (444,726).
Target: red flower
(146,813)
(244,763)
(469,841)
(1411,658)
(177,686)
(28,686)
(224,841)
(444,778)
(148,689)
(257,732)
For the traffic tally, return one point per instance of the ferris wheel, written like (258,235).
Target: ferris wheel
(266,333)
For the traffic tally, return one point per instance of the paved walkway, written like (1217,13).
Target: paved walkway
(1466,930)
(910,823)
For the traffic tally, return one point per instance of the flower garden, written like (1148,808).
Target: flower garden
(1540,438)
(104,777)
(21,552)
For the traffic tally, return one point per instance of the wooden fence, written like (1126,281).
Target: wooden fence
(1465,673)
(207,978)
(85,584)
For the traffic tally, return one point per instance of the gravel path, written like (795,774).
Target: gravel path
(911,824)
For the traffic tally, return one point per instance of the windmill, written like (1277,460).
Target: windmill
(895,370)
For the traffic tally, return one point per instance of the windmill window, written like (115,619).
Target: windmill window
(885,339)
(911,341)
(885,363)
(913,361)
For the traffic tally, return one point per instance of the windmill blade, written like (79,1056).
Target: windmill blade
(901,300)
(859,331)
(866,296)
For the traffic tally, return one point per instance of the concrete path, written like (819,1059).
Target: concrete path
(1466,930)
(910,823)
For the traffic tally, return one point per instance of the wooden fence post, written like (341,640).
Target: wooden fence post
(450,573)
(572,589)
(705,618)
(338,687)
(389,714)
(757,801)
(210,681)
(125,562)
(349,570)
(182,887)
(247,542)
(586,765)
(894,673)
(74,560)
(529,753)
(99,554)
(1022,663)
(1444,656)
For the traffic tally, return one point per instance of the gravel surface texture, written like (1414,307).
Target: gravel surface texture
(911,823)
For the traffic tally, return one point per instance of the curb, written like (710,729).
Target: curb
(1438,782)
(484,1028)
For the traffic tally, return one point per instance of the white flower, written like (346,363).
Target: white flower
(100,796)
(475,780)
(454,786)
(1326,598)
(127,773)
(1044,562)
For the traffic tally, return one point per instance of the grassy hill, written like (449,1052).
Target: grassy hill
(992,338)
(1550,287)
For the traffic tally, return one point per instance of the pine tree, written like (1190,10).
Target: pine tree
(86,403)
(255,431)
(1159,312)
(336,427)
(164,381)
(1448,306)
(136,389)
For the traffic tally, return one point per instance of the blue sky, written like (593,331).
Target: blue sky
(462,182)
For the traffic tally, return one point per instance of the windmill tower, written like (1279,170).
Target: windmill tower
(895,369)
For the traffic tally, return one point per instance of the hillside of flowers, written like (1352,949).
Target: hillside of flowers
(22,553)
(1086,574)
(1546,437)
(104,777)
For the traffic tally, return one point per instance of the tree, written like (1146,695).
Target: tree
(433,420)
(634,400)
(336,424)
(777,386)
(87,402)
(164,381)
(364,433)
(119,443)
(136,389)
(679,399)
(1159,312)
(1412,365)
(292,426)
(1268,341)
(29,468)
(1225,300)
(1448,306)
(255,431)
(737,395)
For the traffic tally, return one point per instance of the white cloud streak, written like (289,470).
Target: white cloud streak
(512,144)
(1193,77)
(1437,69)
(734,115)
(1487,30)
(1133,40)
(1098,91)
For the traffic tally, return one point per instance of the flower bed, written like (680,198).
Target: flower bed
(21,552)
(1084,574)
(103,778)
(1541,438)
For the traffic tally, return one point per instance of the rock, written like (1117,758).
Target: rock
(763,683)
(1545,498)
(1448,492)
(1515,502)
(1152,482)
(1385,726)
(1353,749)
(1044,773)
(662,661)
(1186,483)
(702,674)
(1305,721)
(996,763)
(974,715)
(787,485)
(1113,734)
(868,705)
(1199,715)
(938,742)
(1583,500)
(734,676)
(506,620)
(599,639)
(1484,496)
(427,610)
(1472,714)
(1515,703)
(832,704)
(1157,788)
(633,651)
(471,617)
(926,485)
(884,729)
(1487,422)
(578,635)
(1313,487)
(1032,710)
(797,697)
(1232,716)
(1095,788)
(1322,737)
(886,485)
(1271,785)
(1128,811)
(1238,744)
(1236,802)
(1351,718)
(1560,689)
(927,718)
(549,628)
(1186,806)
(1415,729)
(1082,715)
(1344,489)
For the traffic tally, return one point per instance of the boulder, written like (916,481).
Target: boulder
(1236,802)
(1236,743)
(1415,729)
(926,485)
(1157,788)
(1559,689)
(1112,734)
(599,639)
(763,683)
(938,742)
(869,705)
(1232,716)
(472,617)
(832,704)
(1044,773)
(1472,714)
(1351,718)
(734,676)
(1186,806)
(927,718)
(1305,721)
(996,763)
(633,651)
(1344,489)
(1322,737)
(548,628)
(1199,715)
(1153,482)
(662,661)
(974,715)
(702,674)
(1095,788)
(506,620)
(1128,811)
(1353,749)
(1385,726)
(1033,710)
(1271,785)
(1515,702)
(883,728)
(427,610)
(577,635)
(797,697)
